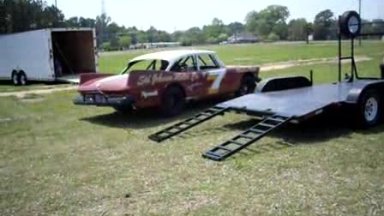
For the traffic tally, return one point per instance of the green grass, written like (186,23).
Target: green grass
(61,159)
(328,72)
(253,54)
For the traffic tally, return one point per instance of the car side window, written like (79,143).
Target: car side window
(207,61)
(140,65)
(185,64)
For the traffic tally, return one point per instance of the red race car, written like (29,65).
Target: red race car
(166,80)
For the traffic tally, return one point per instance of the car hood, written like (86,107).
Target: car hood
(114,83)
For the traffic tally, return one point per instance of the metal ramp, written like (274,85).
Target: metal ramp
(246,138)
(186,124)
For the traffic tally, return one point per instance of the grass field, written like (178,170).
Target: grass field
(61,159)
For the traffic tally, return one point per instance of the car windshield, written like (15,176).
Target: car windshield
(139,65)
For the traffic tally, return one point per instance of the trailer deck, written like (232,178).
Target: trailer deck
(295,103)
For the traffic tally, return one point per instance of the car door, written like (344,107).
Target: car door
(185,70)
(212,70)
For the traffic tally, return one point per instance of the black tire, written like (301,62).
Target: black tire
(344,23)
(247,86)
(173,101)
(369,109)
(22,77)
(123,109)
(15,78)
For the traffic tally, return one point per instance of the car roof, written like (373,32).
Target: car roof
(171,55)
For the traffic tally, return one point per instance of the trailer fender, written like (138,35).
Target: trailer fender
(283,83)
(355,93)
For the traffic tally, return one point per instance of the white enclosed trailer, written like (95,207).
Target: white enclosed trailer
(57,54)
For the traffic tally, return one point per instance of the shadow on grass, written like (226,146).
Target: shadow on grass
(147,117)
(318,129)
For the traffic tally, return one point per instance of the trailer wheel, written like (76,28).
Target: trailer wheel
(22,78)
(173,101)
(369,109)
(15,78)
(248,85)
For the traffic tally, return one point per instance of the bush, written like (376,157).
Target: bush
(273,37)
(106,46)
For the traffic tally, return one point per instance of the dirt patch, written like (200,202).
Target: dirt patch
(26,94)
(294,63)
(32,98)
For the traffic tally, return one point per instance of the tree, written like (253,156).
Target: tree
(322,26)
(281,30)
(52,17)
(23,15)
(213,31)
(271,19)
(377,25)
(72,22)
(102,22)
(142,37)
(192,36)
(235,28)
(87,22)
(297,29)
(125,41)
(152,35)
(251,20)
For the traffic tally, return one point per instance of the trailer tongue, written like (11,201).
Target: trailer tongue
(293,99)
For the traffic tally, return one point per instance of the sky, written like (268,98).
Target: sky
(172,15)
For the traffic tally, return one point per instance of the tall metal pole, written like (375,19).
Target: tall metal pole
(56,3)
(360,18)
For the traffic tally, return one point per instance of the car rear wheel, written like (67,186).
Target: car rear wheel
(248,85)
(173,101)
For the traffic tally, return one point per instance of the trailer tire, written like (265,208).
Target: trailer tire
(345,25)
(247,85)
(22,77)
(15,78)
(369,109)
(172,102)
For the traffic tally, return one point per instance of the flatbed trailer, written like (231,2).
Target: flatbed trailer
(282,100)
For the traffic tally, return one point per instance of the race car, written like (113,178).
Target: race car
(166,80)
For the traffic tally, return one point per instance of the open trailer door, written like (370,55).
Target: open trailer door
(74,52)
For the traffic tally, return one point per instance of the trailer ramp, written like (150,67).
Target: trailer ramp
(246,138)
(186,124)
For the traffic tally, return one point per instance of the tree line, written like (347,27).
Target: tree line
(269,24)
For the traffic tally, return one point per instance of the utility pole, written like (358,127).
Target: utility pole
(103,16)
(56,3)
(360,18)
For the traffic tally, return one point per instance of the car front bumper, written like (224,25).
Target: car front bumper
(102,100)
